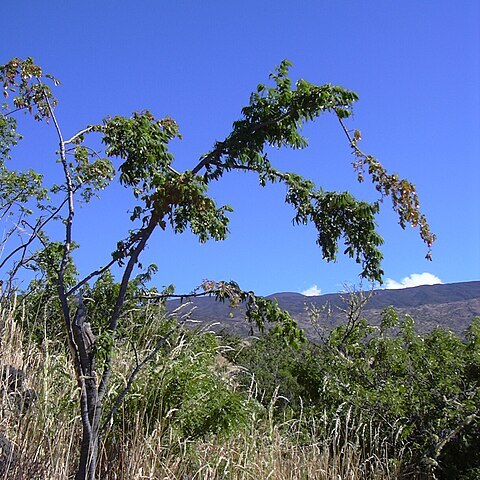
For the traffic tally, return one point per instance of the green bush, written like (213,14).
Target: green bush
(184,390)
(422,393)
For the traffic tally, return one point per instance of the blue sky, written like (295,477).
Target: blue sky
(415,66)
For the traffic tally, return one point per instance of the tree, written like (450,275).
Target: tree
(165,198)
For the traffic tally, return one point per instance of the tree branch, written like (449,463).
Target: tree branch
(11,112)
(102,269)
(145,235)
(79,134)
(61,273)
(464,424)
(35,233)
(90,276)
(222,146)
(181,296)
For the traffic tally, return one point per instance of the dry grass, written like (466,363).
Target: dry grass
(251,455)
(42,439)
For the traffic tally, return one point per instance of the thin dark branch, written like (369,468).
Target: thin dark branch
(12,202)
(344,128)
(161,296)
(223,146)
(13,111)
(103,269)
(34,234)
(91,151)
(90,276)
(23,262)
(352,141)
(356,303)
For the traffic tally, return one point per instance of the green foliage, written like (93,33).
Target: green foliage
(260,312)
(183,201)
(41,315)
(402,193)
(8,134)
(422,392)
(275,367)
(17,188)
(274,117)
(106,314)
(41,300)
(27,81)
(90,176)
(184,390)
(142,142)
(336,215)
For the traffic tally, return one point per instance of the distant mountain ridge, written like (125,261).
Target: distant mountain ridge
(412,297)
(452,306)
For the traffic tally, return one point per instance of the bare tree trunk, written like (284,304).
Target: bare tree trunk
(87,466)
(93,392)
(89,402)
(88,456)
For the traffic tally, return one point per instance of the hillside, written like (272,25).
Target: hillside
(451,305)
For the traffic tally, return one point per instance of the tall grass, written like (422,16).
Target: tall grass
(278,453)
(42,439)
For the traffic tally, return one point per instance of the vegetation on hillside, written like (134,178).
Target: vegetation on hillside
(366,402)
(93,374)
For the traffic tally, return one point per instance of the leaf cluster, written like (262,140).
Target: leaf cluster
(26,79)
(262,313)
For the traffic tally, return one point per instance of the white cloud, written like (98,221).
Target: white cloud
(413,280)
(312,291)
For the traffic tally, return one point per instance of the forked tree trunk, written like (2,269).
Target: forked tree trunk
(87,466)
(88,456)
(90,402)
(82,342)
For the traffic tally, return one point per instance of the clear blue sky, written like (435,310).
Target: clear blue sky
(415,66)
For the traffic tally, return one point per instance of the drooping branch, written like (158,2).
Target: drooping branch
(403,193)
(233,140)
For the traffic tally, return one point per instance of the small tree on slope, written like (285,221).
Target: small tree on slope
(137,147)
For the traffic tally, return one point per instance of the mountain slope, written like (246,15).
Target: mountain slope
(448,305)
